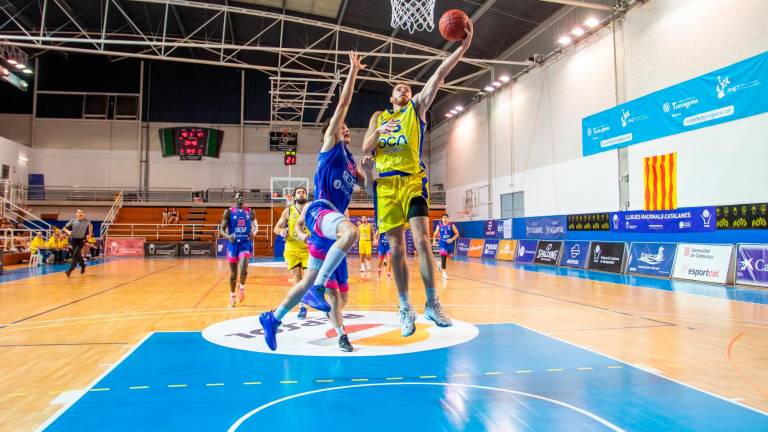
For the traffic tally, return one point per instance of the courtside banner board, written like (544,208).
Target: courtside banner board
(476,248)
(653,259)
(548,252)
(703,262)
(574,254)
(490,248)
(462,247)
(607,256)
(506,250)
(526,251)
(752,265)
(124,246)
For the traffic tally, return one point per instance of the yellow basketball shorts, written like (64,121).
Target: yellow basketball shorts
(364,247)
(392,196)
(296,257)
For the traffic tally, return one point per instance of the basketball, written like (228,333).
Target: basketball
(452,24)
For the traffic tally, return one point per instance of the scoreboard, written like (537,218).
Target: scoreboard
(191,143)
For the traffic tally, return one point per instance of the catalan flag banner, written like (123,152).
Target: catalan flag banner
(660,174)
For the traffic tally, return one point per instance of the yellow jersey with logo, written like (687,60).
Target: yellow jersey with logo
(365,232)
(292,239)
(399,152)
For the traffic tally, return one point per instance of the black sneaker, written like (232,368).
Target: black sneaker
(344,344)
(82,269)
(68,272)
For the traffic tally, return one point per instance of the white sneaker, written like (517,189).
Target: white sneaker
(362,269)
(436,314)
(232,300)
(439,266)
(407,321)
(445,275)
(368,265)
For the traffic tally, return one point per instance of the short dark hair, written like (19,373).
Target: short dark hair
(325,127)
(445,215)
(299,187)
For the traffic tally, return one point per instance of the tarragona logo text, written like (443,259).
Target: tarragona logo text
(393,140)
(704,272)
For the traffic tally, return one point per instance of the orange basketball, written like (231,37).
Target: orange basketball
(452,24)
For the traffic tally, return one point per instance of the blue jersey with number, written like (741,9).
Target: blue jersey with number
(335,177)
(240,223)
(446,231)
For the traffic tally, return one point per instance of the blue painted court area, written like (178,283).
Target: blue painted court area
(507,379)
(743,294)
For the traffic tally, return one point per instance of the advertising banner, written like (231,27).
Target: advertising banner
(490,229)
(548,252)
(731,93)
(462,247)
(589,222)
(221,247)
(196,249)
(548,227)
(491,246)
(526,251)
(506,250)
(165,249)
(742,216)
(703,262)
(691,219)
(476,248)
(574,254)
(752,265)
(607,256)
(506,228)
(653,259)
(130,246)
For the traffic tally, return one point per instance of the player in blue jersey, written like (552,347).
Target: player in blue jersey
(331,233)
(445,235)
(238,225)
(381,240)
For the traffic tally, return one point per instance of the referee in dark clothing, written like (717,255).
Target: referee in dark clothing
(77,229)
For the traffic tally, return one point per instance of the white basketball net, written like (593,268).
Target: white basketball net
(413,15)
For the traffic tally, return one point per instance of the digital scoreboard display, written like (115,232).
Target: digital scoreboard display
(289,157)
(191,143)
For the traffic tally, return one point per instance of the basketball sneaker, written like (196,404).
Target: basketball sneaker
(241,293)
(232,300)
(315,298)
(437,314)
(269,325)
(344,344)
(407,321)
(302,313)
(445,274)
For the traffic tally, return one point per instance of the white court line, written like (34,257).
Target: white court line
(63,409)
(650,372)
(584,412)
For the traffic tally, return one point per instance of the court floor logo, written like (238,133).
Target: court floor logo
(372,334)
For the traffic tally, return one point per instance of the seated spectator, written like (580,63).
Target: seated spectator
(53,247)
(174,217)
(93,246)
(166,215)
(63,246)
(38,246)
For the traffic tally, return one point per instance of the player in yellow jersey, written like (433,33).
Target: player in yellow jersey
(365,245)
(296,254)
(395,137)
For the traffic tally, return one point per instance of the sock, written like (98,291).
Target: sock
(340,331)
(404,303)
(280,312)
(332,260)
(431,296)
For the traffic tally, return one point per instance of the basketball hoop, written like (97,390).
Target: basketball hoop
(413,15)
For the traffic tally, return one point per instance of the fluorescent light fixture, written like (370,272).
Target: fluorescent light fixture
(449,115)
(496,84)
(459,108)
(504,78)
(578,31)
(27,71)
(565,40)
(453,111)
(20,66)
(489,88)
(23,159)
(591,22)
(12,61)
